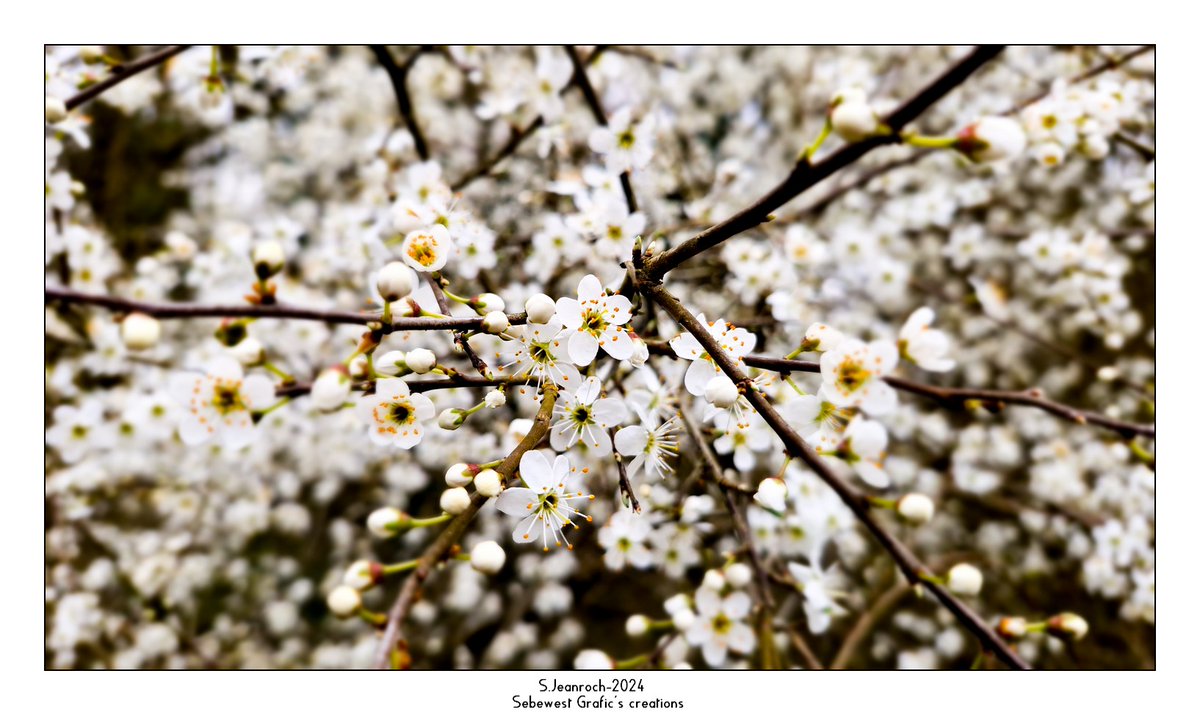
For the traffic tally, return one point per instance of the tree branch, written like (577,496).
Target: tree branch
(123,72)
(398,74)
(593,102)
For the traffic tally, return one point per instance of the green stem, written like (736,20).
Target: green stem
(263,413)
(812,148)
(925,142)
(794,386)
(389,569)
(633,662)
(277,372)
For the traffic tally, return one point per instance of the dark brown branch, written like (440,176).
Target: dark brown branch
(593,102)
(296,389)
(435,282)
(911,566)
(510,147)
(623,477)
(120,73)
(277,311)
(805,175)
(866,622)
(398,74)
(393,634)
(811,661)
(1144,150)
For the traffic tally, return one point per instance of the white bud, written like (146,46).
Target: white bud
(1012,627)
(714,580)
(420,360)
(637,626)
(488,557)
(268,258)
(359,576)
(344,601)
(820,336)
(488,483)
(490,302)
(916,508)
(455,501)
(641,353)
(1094,146)
(331,389)
(965,580)
(390,363)
(458,475)
(992,139)
(738,575)
(683,618)
(395,281)
(1067,625)
(381,520)
(772,494)
(592,659)
(851,115)
(678,602)
(1049,154)
(1108,373)
(140,331)
(540,308)
(249,352)
(721,392)
(91,54)
(494,399)
(56,110)
(451,419)
(495,322)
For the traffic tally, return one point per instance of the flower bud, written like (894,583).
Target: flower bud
(738,575)
(249,352)
(851,115)
(991,139)
(495,322)
(592,659)
(362,575)
(56,110)
(331,389)
(488,557)
(683,618)
(231,332)
(451,418)
(1012,627)
(772,494)
(459,475)
(539,308)
(714,580)
(390,363)
(455,501)
(915,508)
(344,601)
(965,580)
(395,281)
(91,54)
(721,392)
(637,626)
(489,302)
(641,353)
(488,483)
(386,521)
(1067,626)
(420,360)
(140,331)
(494,399)
(268,259)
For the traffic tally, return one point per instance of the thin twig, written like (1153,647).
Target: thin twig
(459,339)
(866,623)
(398,74)
(123,72)
(593,102)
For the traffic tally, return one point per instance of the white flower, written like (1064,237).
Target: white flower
(78,430)
(56,110)
(862,447)
(394,415)
(964,580)
(488,483)
(736,342)
(249,352)
(382,522)
(915,508)
(738,575)
(922,345)
(624,541)
(819,421)
(420,360)
(649,448)
(268,258)
(582,415)
(427,249)
(459,475)
(1067,625)
(220,403)
(331,389)
(542,355)
(495,322)
(544,503)
(395,281)
(539,308)
(853,375)
(344,601)
(596,319)
(721,392)
(624,145)
(817,586)
(390,363)
(362,575)
(637,626)
(140,331)
(772,495)
(455,500)
(851,115)
(719,626)
(992,139)
(487,557)
(494,399)
(592,659)
(821,337)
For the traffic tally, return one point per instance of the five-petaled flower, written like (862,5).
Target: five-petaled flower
(584,416)
(719,626)
(853,374)
(544,503)
(394,415)
(596,319)
(220,403)
(541,354)
(737,342)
